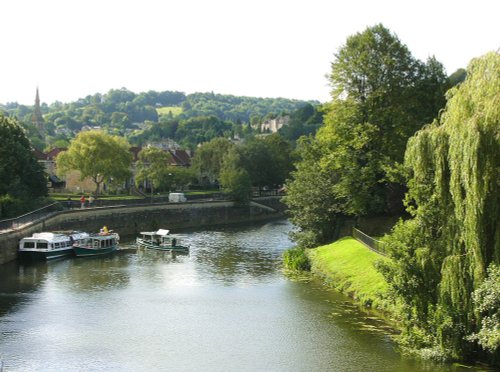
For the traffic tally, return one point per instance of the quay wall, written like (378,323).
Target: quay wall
(130,220)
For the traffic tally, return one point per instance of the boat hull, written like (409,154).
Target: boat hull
(161,247)
(87,252)
(38,255)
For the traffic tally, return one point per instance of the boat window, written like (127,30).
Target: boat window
(29,244)
(41,245)
(96,243)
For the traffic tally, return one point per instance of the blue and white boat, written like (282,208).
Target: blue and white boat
(49,245)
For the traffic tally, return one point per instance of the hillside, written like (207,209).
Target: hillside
(151,115)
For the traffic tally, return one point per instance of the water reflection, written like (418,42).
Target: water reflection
(96,273)
(241,254)
(18,282)
(224,307)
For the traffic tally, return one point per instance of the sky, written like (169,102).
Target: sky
(260,48)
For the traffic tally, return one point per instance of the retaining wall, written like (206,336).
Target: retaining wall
(130,220)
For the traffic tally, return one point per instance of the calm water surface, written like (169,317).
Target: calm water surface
(225,307)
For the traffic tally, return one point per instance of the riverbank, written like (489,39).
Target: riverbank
(135,218)
(348,266)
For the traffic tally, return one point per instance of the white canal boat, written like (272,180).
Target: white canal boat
(49,245)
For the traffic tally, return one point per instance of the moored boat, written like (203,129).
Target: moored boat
(97,244)
(161,240)
(49,245)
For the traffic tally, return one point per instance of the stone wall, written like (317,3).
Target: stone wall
(130,220)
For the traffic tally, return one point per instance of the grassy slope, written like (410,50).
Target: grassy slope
(175,110)
(349,266)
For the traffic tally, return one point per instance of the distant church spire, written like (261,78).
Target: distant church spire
(37,118)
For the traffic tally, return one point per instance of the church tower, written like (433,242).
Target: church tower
(37,118)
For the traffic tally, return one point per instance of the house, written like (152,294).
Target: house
(273,125)
(72,182)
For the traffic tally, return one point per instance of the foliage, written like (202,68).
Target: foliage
(457,77)
(234,178)
(97,155)
(236,109)
(304,121)
(441,255)
(268,161)
(153,167)
(200,129)
(311,207)
(22,178)
(381,96)
(487,303)
(208,158)
(152,116)
(296,259)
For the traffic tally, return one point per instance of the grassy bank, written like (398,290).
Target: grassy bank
(349,266)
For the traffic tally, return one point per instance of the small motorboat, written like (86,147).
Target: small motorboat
(161,240)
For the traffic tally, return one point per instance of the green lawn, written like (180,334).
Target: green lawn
(349,266)
(175,110)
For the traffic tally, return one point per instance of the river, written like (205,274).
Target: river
(226,306)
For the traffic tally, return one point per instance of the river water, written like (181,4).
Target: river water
(226,306)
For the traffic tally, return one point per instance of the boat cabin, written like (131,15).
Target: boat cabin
(99,241)
(47,241)
(161,237)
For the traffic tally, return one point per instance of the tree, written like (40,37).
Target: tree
(234,178)
(303,122)
(153,167)
(312,208)
(97,155)
(381,96)
(380,75)
(487,303)
(22,178)
(268,161)
(209,156)
(442,254)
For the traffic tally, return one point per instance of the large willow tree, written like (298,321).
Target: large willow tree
(443,253)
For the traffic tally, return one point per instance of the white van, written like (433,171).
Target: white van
(176,197)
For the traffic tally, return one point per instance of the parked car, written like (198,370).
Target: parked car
(176,197)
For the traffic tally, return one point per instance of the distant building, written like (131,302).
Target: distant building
(273,125)
(165,144)
(36,117)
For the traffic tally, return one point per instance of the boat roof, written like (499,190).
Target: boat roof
(160,232)
(103,236)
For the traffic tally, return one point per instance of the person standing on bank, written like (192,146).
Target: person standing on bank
(91,200)
(82,200)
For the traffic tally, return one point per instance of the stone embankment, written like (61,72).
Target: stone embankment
(130,220)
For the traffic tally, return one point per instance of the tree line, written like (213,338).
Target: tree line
(399,136)
(138,118)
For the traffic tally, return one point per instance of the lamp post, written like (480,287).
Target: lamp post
(170,182)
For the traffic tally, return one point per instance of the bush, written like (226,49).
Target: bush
(296,259)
